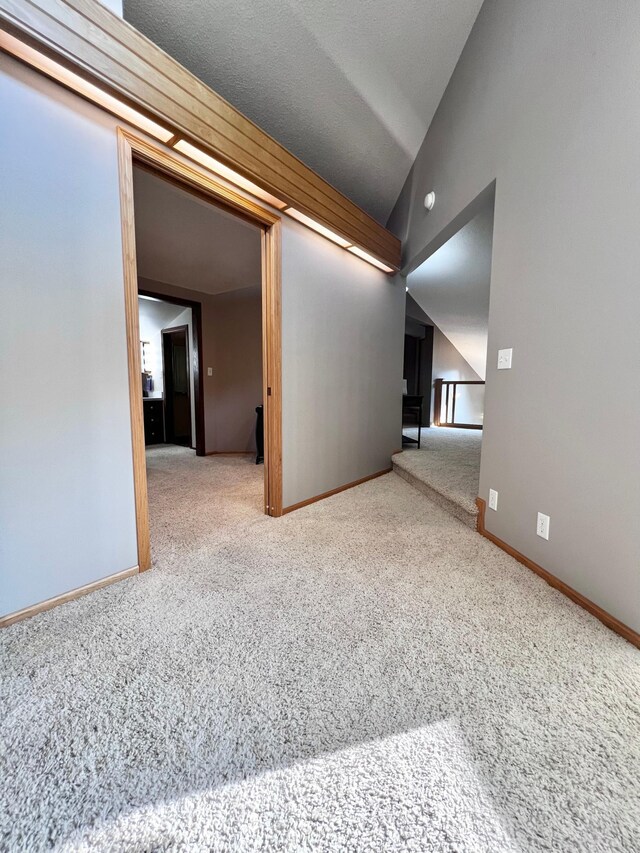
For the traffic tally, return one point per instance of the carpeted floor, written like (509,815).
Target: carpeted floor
(365,674)
(447,464)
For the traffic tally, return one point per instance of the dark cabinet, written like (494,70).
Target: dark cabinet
(153,421)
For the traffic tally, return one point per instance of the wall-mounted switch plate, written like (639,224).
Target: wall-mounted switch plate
(493,499)
(504,359)
(209,371)
(542,527)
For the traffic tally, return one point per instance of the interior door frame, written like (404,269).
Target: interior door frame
(135,149)
(195,342)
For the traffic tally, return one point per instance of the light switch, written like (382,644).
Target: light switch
(504,359)
(209,371)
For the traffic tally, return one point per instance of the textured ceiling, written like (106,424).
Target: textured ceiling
(349,87)
(190,243)
(452,287)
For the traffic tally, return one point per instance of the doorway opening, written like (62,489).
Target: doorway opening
(206,261)
(446,332)
(177,398)
(171,382)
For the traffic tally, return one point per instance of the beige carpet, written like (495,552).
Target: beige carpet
(448,464)
(365,674)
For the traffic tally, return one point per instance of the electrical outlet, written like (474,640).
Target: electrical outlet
(493,499)
(209,371)
(542,527)
(504,359)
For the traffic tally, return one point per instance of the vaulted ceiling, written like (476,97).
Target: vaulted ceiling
(349,86)
(452,287)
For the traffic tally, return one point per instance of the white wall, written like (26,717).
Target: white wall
(545,101)
(66,489)
(114,5)
(153,317)
(342,350)
(449,364)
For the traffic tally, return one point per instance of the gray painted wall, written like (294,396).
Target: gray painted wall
(236,327)
(545,100)
(342,350)
(66,489)
(66,493)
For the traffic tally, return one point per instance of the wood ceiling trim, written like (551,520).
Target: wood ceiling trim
(111,53)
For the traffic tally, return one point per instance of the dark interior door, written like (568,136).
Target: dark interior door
(425,368)
(177,392)
(411,362)
(418,360)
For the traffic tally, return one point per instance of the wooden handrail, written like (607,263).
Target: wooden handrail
(450,397)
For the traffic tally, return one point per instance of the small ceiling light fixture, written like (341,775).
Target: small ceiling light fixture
(230,175)
(430,200)
(370,259)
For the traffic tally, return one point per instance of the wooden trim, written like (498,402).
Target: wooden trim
(133,353)
(198,372)
(437,402)
(34,609)
(196,179)
(328,494)
(595,610)
(97,45)
(131,148)
(272,367)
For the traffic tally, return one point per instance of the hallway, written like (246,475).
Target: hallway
(366,673)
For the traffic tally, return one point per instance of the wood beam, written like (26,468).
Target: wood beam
(90,40)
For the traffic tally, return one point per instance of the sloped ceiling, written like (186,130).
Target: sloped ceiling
(187,242)
(156,311)
(452,287)
(348,86)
